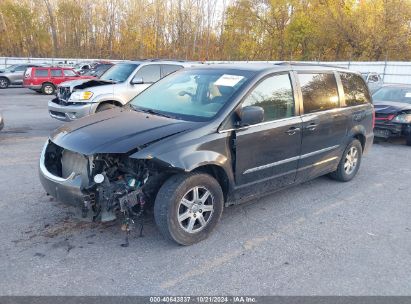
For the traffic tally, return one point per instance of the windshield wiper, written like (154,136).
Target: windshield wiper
(150,111)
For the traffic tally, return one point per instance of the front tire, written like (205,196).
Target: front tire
(4,83)
(408,140)
(188,207)
(48,88)
(350,162)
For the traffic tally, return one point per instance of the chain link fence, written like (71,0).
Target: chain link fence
(390,71)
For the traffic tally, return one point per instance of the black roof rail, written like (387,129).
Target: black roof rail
(296,63)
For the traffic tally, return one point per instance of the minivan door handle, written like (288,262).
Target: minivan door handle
(311,127)
(292,130)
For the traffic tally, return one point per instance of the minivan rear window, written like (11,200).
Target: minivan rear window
(41,73)
(355,89)
(319,91)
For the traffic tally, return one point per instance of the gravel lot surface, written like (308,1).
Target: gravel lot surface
(319,238)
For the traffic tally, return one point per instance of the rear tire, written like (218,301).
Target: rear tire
(350,162)
(4,83)
(188,207)
(105,107)
(48,88)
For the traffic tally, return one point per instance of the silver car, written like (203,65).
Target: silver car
(118,85)
(13,75)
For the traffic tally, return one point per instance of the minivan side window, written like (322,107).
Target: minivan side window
(149,73)
(275,95)
(355,89)
(319,91)
(169,68)
(41,73)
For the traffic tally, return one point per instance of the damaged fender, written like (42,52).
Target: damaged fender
(187,158)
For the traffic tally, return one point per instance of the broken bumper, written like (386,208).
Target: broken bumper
(70,112)
(387,130)
(66,190)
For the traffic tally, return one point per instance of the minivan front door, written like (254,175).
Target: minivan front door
(268,152)
(324,124)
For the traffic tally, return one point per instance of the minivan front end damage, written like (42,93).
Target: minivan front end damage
(101,186)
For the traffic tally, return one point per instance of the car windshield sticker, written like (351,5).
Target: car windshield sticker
(228,80)
(408,95)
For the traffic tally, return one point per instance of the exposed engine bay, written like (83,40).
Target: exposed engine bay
(111,184)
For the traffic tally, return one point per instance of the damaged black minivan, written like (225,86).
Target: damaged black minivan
(207,137)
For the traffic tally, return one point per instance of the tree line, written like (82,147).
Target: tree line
(207,29)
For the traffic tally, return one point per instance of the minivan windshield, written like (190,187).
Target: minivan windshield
(399,94)
(196,95)
(119,72)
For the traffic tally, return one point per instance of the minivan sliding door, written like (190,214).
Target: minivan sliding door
(324,124)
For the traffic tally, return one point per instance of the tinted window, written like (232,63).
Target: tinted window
(149,73)
(55,73)
(170,68)
(69,73)
(21,68)
(275,96)
(355,90)
(41,73)
(319,91)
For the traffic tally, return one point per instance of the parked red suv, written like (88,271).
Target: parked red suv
(45,79)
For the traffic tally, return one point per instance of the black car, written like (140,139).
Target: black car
(393,112)
(204,138)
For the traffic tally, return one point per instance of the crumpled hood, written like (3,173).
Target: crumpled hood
(86,82)
(391,107)
(116,131)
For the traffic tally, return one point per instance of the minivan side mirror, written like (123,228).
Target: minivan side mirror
(137,80)
(250,115)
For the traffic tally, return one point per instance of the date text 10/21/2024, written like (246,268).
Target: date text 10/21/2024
(203,299)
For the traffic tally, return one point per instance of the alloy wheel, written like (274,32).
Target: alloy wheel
(351,160)
(3,83)
(195,209)
(48,90)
